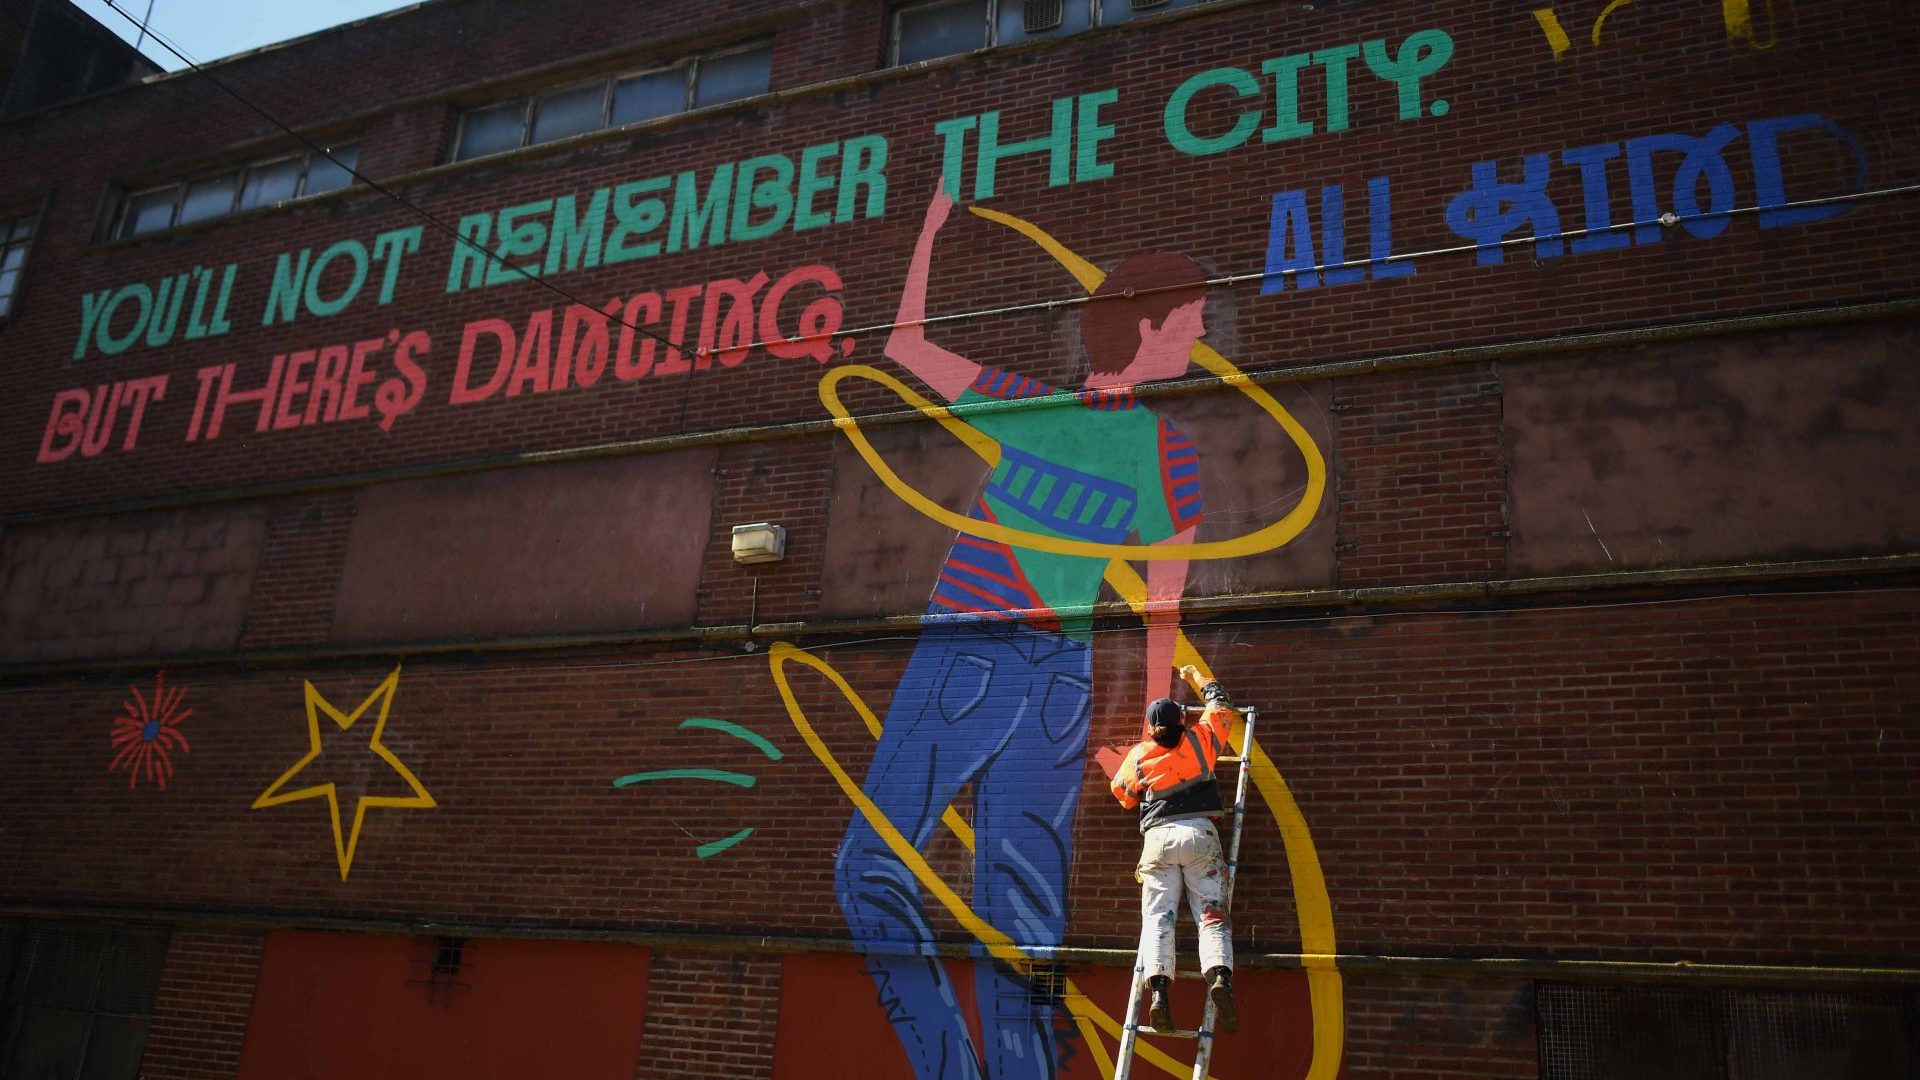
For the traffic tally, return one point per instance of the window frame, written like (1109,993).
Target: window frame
(1097,18)
(11,219)
(688,66)
(122,216)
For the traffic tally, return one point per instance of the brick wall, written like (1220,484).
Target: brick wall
(1712,766)
(200,1018)
(710,1014)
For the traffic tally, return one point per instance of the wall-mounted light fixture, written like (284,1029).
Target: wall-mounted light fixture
(759,542)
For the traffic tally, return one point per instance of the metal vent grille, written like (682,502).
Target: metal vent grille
(1633,1033)
(1038,16)
(1148,5)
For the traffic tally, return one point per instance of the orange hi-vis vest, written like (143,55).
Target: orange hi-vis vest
(1175,783)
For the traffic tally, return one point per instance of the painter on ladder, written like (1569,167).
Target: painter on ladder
(1169,777)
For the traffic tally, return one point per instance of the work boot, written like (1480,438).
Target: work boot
(1220,992)
(1159,1010)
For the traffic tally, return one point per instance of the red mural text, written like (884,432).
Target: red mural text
(85,419)
(648,334)
(319,386)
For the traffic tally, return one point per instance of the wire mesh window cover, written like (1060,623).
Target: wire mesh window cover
(77,998)
(1641,1033)
(928,31)
(443,963)
(266,182)
(16,236)
(1038,15)
(712,78)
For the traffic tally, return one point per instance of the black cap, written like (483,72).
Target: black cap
(1166,713)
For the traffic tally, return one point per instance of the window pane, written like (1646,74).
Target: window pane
(942,30)
(1119,11)
(23,228)
(150,212)
(267,184)
(644,97)
(490,131)
(113,1048)
(324,175)
(209,198)
(48,1043)
(15,255)
(1052,18)
(8,281)
(131,975)
(733,76)
(569,112)
(65,960)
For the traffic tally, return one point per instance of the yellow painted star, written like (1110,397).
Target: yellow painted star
(273,796)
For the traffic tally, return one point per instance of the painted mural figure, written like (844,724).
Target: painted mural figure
(998,693)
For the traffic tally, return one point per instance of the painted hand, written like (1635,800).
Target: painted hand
(937,208)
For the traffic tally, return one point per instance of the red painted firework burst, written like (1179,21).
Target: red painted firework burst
(149,731)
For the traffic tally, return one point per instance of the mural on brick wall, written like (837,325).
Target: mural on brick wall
(997,696)
(1743,29)
(148,732)
(735,777)
(329,773)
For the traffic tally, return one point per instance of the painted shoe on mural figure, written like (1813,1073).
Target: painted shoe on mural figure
(1220,990)
(1159,1009)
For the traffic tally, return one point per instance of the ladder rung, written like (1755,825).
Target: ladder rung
(1177,1033)
(1228,759)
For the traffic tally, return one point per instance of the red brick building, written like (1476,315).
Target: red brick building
(383,697)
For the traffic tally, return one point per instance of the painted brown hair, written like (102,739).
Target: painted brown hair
(1147,286)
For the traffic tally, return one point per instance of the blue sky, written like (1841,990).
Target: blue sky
(210,29)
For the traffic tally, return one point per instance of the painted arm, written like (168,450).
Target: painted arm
(1124,778)
(949,374)
(1166,585)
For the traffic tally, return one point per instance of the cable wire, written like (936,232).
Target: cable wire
(1667,220)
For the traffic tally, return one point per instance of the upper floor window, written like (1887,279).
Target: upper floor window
(259,183)
(16,236)
(948,27)
(708,79)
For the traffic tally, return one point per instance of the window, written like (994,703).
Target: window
(77,998)
(949,27)
(709,79)
(257,184)
(1634,1033)
(16,236)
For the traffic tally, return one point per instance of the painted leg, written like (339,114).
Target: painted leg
(1024,804)
(925,755)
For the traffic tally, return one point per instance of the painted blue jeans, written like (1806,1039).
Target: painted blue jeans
(1006,709)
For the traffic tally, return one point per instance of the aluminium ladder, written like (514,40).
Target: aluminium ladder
(1131,1027)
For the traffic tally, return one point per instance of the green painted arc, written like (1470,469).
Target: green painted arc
(723,776)
(748,735)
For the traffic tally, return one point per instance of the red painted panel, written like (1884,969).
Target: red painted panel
(336,1005)
(831,1025)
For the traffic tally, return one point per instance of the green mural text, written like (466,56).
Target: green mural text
(1420,55)
(738,200)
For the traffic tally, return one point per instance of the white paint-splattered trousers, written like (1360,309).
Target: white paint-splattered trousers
(1183,853)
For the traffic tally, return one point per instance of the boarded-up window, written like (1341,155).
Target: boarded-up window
(446,1008)
(1632,1033)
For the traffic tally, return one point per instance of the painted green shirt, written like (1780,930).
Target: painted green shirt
(1093,465)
